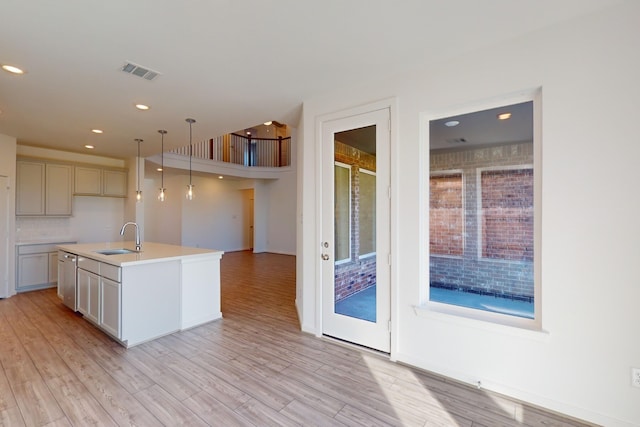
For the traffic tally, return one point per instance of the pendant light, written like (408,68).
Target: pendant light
(190,186)
(138,191)
(162,189)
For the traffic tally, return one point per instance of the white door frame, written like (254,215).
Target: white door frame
(5,259)
(391,105)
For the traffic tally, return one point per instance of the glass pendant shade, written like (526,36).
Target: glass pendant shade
(161,195)
(190,186)
(138,190)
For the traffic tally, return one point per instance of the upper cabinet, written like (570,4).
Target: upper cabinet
(43,188)
(96,181)
(114,183)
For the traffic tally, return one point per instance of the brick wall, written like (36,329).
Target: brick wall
(446,220)
(357,274)
(489,266)
(507,214)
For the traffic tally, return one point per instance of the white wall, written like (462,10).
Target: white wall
(580,365)
(163,220)
(214,219)
(281,229)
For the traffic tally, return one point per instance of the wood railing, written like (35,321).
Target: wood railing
(242,150)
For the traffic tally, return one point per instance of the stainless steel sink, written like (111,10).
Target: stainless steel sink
(120,251)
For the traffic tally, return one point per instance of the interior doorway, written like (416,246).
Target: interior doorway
(248,218)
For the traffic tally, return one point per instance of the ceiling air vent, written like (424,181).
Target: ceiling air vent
(137,70)
(456,140)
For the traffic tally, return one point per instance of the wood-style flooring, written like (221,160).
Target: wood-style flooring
(252,368)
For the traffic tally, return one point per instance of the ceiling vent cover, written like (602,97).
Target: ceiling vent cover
(137,70)
(456,140)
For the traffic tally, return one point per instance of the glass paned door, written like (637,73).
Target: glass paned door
(355,248)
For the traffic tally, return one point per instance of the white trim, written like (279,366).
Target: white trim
(348,168)
(424,305)
(368,254)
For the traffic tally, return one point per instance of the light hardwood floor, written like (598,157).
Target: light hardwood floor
(253,368)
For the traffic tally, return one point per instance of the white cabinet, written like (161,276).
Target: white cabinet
(114,183)
(53,266)
(110,318)
(88,289)
(30,188)
(36,266)
(33,270)
(43,188)
(58,196)
(110,305)
(96,181)
(98,294)
(88,181)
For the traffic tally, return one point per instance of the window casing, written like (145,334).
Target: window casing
(500,237)
(342,226)
(366,213)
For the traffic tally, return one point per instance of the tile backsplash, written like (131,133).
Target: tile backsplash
(42,228)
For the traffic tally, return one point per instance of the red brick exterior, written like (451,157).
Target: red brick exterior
(507,214)
(497,231)
(446,221)
(357,274)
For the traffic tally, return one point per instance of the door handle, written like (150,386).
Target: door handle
(325,257)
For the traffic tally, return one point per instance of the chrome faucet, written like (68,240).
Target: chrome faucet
(138,244)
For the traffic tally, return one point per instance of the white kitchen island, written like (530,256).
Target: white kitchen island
(139,296)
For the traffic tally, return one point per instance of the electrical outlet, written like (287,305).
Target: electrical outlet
(635,377)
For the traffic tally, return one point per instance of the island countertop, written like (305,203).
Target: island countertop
(150,253)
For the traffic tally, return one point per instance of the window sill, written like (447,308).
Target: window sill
(483,320)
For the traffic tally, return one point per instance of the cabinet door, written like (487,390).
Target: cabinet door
(30,188)
(61,279)
(53,267)
(114,183)
(110,304)
(88,296)
(88,181)
(33,269)
(58,189)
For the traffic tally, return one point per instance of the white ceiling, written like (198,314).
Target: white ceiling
(229,64)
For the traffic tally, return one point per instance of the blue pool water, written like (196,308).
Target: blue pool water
(363,304)
(482,302)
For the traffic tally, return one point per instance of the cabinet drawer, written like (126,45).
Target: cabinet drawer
(110,272)
(89,264)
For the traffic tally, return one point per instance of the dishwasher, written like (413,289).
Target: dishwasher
(67,278)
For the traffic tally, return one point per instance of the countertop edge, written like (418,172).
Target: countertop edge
(154,253)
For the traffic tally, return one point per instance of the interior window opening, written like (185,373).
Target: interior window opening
(481,211)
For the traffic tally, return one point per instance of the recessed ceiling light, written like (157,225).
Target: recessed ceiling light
(504,116)
(142,107)
(220,177)
(90,147)
(159,169)
(268,123)
(13,70)
(96,130)
(452,123)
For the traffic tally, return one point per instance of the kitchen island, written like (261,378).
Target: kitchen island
(137,296)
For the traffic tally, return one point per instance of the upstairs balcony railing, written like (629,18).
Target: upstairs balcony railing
(242,150)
